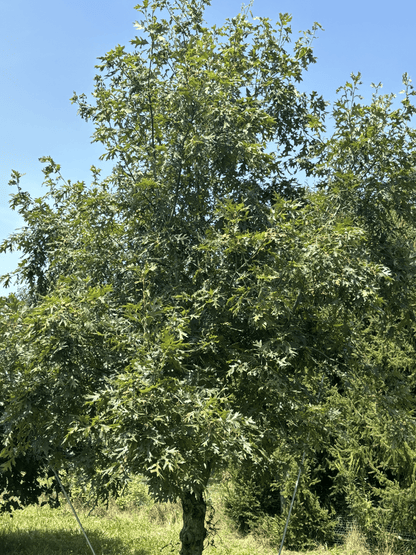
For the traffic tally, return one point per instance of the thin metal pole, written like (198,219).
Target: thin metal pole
(299,474)
(73,510)
(292,502)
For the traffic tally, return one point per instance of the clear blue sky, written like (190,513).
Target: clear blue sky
(49,49)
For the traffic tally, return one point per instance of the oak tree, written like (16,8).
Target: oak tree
(182,312)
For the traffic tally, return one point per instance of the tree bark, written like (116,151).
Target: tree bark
(193,533)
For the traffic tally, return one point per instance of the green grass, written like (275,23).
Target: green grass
(131,527)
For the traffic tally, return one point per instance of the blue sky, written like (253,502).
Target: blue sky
(49,49)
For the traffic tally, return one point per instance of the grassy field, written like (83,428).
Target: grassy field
(128,529)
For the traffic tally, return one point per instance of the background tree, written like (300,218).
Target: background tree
(363,467)
(368,172)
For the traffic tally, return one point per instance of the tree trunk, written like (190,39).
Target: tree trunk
(193,532)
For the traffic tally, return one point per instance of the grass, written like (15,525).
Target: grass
(136,526)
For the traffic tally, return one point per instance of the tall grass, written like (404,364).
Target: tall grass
(134,525)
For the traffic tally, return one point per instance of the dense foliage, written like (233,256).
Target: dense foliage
(364,467)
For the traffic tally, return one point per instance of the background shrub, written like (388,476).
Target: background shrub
(257,500)
(136,494)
